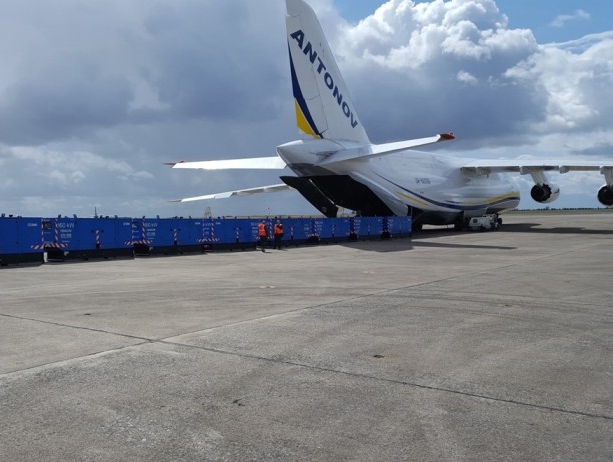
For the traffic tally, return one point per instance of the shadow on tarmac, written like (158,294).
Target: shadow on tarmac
(402,245)
(447,245)
(537,228)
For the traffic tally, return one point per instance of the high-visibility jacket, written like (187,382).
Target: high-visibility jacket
(262,230)
(278,228)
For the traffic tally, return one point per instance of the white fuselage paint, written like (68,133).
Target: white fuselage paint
(426,181)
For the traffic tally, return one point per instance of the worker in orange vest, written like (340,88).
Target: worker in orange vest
(278,234)
(262,234)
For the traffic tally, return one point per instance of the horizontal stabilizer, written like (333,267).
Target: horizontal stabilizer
(238,192)
(250,163)
(377,150)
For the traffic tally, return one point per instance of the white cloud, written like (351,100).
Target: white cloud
(574,84)
(561,20)
(467,78)
(519,90)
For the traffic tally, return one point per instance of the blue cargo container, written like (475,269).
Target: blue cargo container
(66,238)
(19,239)
(172,236)
(241,233)
(62,238)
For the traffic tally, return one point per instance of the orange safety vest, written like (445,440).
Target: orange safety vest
(262,230)
(278,229)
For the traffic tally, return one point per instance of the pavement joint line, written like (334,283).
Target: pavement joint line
(519,318)
(74,358)
(306,308)
(523,317)
(311,367)
(510,265)
(59,324)
(455,294)
(145,341)
(395,381)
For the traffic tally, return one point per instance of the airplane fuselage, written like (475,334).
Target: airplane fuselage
(407,182)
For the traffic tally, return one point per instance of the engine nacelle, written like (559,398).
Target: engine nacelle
(605,196)
(546,193)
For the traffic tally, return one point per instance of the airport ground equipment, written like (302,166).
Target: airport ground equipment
(489,222)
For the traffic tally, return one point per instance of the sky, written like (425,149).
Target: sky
(96,96)
(549,20)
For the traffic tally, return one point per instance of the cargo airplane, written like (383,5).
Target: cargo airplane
(338,166)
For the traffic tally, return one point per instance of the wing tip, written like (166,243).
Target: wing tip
(172,164)
(447,136)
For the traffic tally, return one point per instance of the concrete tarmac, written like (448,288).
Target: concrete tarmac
(447,347)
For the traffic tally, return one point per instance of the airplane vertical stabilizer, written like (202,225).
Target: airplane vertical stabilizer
(323,106)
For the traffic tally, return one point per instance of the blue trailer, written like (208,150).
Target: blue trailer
(65,238)
(18,240)
(175,236)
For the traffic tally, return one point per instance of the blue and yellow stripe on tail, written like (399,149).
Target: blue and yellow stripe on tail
(303,124)
(304,120)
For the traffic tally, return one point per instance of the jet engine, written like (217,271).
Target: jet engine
(546,193)
(605,195)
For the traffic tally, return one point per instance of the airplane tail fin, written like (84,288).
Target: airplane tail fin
(323,106)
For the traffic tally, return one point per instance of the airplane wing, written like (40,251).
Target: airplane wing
(250,163)
(487,166)
(543,191)
(238,192)
(377,150)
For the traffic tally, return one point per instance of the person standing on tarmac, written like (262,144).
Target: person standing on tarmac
(262,235)
(278,234)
